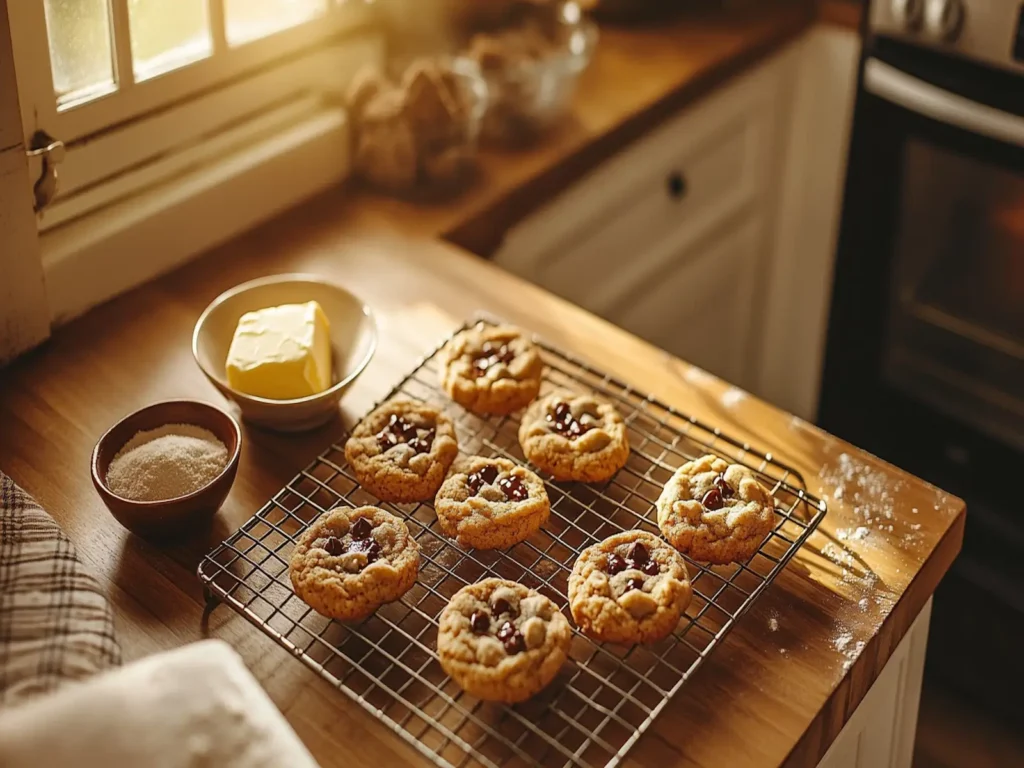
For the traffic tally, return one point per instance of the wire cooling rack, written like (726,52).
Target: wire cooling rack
(606,695)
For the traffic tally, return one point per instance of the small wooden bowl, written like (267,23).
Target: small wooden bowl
(177,515)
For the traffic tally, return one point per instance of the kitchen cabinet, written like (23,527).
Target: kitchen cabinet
(881,731)
(667,239)
(713,236)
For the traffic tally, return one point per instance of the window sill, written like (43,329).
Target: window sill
(92,259)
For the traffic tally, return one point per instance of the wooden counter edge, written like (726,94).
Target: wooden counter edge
(867,667)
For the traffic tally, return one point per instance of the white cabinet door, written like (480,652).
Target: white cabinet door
(670,237)
(700,307)
(881,731)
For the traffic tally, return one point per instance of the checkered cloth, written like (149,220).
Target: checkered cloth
(55,623)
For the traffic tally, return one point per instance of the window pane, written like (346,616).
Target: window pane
(79,32)
(167,34)
(252,19)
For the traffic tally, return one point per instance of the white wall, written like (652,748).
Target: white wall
(24,313)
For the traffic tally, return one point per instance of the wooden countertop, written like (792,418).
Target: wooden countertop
(775,692)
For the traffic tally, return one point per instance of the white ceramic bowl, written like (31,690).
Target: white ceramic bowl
(353,342)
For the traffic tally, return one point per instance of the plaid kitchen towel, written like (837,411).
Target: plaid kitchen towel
(55,623)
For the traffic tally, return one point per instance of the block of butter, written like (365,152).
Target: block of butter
(281,353)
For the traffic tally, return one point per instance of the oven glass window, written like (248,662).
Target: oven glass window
(956,319)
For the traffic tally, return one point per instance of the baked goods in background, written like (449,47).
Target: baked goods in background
(419,130)
(401,451)
(349,562)
(531,67)
(491,503)
(715,512)
(630,588)
(501,641)
(574,437)
(491,369)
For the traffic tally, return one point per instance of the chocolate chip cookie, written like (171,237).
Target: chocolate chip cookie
(351,561)
(715,511)
(491,369)
(630,588)
(491,503)
(402,451)
(574,437)
(500,641)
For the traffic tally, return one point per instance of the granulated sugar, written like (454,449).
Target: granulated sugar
(167,462)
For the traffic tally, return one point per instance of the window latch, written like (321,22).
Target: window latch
(52,152)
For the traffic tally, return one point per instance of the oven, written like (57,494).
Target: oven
(925,349)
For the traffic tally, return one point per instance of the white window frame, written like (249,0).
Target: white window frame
(169,166)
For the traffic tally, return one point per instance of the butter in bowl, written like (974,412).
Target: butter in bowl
(285,348)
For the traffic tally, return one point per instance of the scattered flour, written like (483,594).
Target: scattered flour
(841,641)
(773,624)
(733,397)
(696,375)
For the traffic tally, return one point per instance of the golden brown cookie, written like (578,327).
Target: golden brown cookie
(349,562)
(630,588)
(491,503)
(500,641)
(574,437)
(714,511)
(402,451)
(491,369)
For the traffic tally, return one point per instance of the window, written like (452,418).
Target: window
(141,90)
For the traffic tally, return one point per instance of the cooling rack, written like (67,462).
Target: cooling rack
(606,695)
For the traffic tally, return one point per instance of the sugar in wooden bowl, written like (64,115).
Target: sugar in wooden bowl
(166,463)
(164,470)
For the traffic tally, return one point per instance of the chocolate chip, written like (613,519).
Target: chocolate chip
(614,564)
(368,547)
(361,528)
(334,546)
(712,499)
(513,489)
(483,476)
(638,555)
(723,487)
(491,354)
(564,422)
(398,430)
(514,644)
(650,568)
(372,552)
(634,583)
(506,631)
(501,605)
(511,638)
(480,621)
(423,443)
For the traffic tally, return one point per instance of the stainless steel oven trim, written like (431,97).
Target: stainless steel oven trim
(907,91)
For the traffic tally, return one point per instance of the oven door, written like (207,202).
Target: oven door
(925,353)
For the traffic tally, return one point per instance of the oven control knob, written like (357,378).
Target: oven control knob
(907,13)
(942,19)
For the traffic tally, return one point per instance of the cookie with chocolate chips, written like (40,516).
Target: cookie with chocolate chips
(349,562)
(574,437)
(500,641)
(491,503)
(401,452)
(630,588)
(714,511)
(491,369)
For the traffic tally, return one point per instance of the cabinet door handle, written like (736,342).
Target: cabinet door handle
(676,185)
